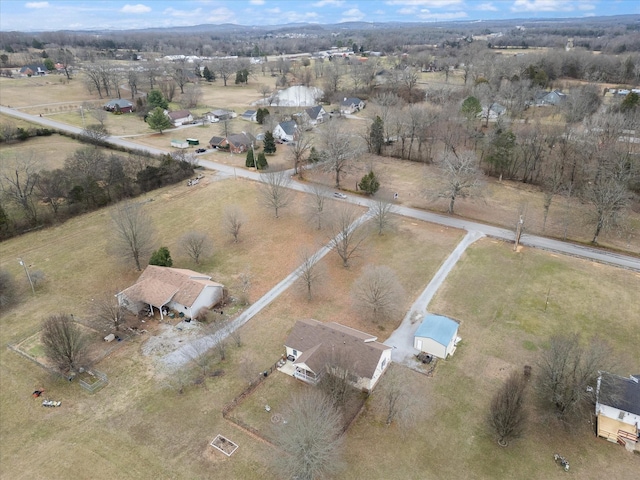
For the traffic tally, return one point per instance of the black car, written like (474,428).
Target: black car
(201,150)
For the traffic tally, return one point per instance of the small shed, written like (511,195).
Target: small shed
(179,144)
(193,141)
(437,335)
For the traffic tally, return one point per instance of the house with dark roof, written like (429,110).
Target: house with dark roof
(351,105)
(38,70)
(437,335)
(250,116)
(118,105)
(180,117)
(553,98)
(314,115)
(219,115)
(216,142)
(179,289)
(286,131)
(315,349)
(492,111)
(618,409)
(239,142)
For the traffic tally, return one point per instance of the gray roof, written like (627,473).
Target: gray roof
(620,392)
(216,140)
(351,101)
(241,139)
(289,127)
(314,112)
(120,102)
(179,114)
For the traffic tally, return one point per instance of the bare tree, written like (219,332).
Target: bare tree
(382,212)
(233,220)
(337,376)
(298,151)
(461,175)
(311,440)
(378,293)
(133,232)
(568,372)
(192,96)
(64,343)
(53,187)
(265,91)
(397,400)
(340,148)
(347,238)
(609,196)
(196,245)
(507,416)
(18,182)
(317,205)
(274,190)
(109,312)
(244,286)
(310,272)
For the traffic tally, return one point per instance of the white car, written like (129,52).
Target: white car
(339,195)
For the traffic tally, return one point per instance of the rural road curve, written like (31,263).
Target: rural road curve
(566,248)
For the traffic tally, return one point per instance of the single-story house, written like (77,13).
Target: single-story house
(618,409)
(180,117)
(250,116)
(216,142)
(286,131)
(179,289)
(239,143)
(553,98)
(437,335)
(315,115)
(494,110)
(118,105)
(33,70)
(219,115)
(351,105)
(315,349)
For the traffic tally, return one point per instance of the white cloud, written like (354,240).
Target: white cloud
(586,6)
(408,11)
(273,11)
(427,15)
(221,15)
(487,7)
(325,3)
(426,3)
(352,15)
(139,8)
(257,2)
(541,6)
(36,4)
(295,17)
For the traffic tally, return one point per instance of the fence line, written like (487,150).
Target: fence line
(98,384)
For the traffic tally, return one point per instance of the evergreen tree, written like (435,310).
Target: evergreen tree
(208,76)
(261,114)
(156,99)
(471,107)
(269,143)
(262,164)
(376,136)
(250,162)
(314,156)
(369,183)
(161,257)
(242,76)
(158,121)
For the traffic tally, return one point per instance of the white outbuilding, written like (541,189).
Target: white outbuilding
(437,336)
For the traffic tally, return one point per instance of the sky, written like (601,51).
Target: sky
(47,15)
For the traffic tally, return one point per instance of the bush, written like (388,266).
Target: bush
(369,183)
(161,257)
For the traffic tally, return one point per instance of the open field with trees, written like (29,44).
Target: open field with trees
(458,120)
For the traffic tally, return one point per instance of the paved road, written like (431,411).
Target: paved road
(567,248)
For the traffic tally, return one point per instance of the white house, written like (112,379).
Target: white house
(179,144)
(250,115)
(351,105)
(215,116)
(618,409)
(493,111)
(178,289)
(437,336)
(286,131)
(180,117)
(315,349)
(315,115)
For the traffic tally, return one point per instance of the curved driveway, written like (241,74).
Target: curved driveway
(567,248)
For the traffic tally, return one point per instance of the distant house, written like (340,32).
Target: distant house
(180,117)
(618,409)
(493,111)
(351,105)
(179,289)
(437,336)
(118,105)
(553,98)
(38,70)
(239,143)
(216,142)
(220,115)
(286,131)
(315,115)
(179,144)
(314,348)
(250,116)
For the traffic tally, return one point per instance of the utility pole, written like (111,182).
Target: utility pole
(518,233)
(26,270)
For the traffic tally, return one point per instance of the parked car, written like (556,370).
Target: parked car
(339,195)
(201,150)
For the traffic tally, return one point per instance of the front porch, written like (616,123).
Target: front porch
(296,371)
